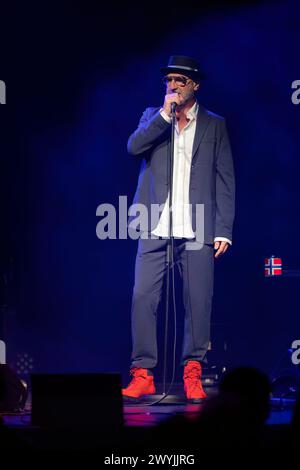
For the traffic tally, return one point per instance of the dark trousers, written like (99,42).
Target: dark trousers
(196,268)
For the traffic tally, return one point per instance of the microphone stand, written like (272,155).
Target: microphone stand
(169,262)
(170,240)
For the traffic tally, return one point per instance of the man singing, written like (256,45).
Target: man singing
(203,174)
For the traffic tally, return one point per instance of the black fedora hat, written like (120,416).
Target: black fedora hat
(185,65)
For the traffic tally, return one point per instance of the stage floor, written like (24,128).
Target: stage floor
(144,414)
(140,425)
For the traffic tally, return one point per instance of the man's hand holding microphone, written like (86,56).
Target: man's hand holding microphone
(169,99)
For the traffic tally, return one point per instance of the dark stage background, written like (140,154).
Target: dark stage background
(78,77)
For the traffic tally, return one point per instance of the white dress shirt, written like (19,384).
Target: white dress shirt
(183,149)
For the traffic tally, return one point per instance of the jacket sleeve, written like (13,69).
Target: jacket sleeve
(225,186)
(150,129)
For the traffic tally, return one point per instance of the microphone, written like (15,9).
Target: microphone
(173,107)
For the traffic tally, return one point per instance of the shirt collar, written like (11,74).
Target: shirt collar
(193,111)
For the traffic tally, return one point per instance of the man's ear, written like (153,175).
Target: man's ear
(196,86)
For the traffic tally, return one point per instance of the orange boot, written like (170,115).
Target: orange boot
(141,384)
(192,382)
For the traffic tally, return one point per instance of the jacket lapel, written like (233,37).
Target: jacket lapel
(203,120)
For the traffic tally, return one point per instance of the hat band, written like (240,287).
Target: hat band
(182,67)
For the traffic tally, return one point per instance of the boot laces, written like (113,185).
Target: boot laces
(136,379)
(192,376)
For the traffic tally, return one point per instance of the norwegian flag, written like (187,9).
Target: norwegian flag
(273,266)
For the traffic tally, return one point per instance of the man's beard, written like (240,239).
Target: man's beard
(186,99)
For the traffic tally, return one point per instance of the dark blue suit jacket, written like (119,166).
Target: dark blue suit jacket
(212,174)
